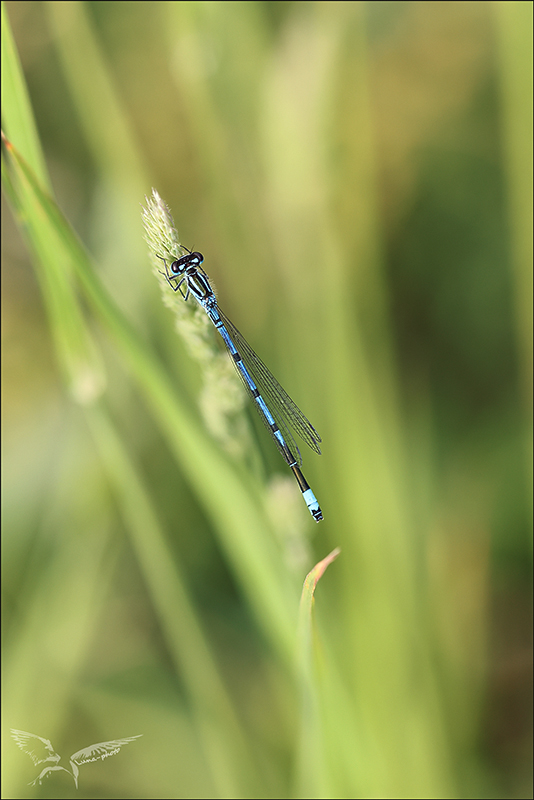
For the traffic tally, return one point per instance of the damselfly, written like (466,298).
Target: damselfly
(277,410)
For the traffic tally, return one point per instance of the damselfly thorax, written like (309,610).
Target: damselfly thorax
(187,271)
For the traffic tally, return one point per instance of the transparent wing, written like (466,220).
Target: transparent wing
(285,411)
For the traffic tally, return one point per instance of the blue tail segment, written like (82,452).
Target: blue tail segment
(277,410)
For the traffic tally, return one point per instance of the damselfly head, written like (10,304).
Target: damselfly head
(191,261)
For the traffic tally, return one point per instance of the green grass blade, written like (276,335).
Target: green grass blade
(312,776)
(77,354)
(17,116)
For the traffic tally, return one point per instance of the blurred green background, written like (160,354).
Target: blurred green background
(358,177)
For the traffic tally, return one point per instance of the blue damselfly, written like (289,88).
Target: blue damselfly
(277,410)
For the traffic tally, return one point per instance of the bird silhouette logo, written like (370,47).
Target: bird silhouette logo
(41,751)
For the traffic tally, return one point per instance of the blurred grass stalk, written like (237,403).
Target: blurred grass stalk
(514,22)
